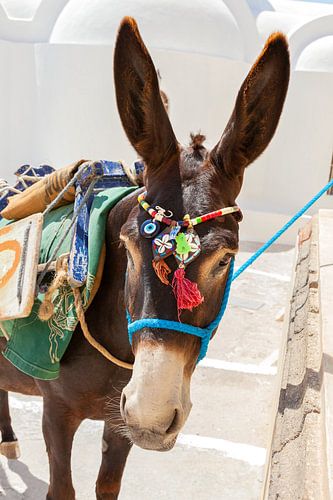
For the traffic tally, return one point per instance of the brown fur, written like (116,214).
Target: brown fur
(257,110)
(197,141)
(184,180)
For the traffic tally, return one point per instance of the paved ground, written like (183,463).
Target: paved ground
(221,453)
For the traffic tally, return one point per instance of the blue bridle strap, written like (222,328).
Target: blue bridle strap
(164,324)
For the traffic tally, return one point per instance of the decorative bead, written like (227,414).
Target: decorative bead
(166,213)
(163,245)
(183,246)
(174,231)
(187,222)
(150,228)
(158,216)
(193,242)
(187,219)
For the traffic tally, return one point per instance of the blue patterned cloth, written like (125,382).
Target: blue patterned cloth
(105,174)
(22,184)
(108,174)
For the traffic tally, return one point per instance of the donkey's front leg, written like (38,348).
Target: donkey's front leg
(115,449)
(9,446)
(59,427)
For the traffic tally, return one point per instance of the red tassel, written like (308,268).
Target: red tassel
(162,270)
(186,292)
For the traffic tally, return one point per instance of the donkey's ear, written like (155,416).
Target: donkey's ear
(257,110)
(140,106)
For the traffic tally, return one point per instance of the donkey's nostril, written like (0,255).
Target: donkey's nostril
(174,424)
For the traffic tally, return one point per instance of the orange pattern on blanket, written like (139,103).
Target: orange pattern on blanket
(15,247)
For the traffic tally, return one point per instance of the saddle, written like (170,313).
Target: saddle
(35,346)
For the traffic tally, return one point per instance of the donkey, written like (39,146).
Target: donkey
(155,402)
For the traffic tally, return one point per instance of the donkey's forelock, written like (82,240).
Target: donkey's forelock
(197,141)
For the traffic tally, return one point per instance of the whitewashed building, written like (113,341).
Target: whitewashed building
(57,99)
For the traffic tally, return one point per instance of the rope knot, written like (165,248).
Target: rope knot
(46,309)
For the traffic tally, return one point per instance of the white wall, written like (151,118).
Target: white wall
(57,105)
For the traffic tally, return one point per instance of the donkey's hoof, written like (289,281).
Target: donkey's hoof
(10,449)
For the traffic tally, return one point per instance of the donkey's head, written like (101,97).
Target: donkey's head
(186,180)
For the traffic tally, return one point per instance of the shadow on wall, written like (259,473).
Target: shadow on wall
(36,488)
(258,6)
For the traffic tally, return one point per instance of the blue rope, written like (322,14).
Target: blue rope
(282,230)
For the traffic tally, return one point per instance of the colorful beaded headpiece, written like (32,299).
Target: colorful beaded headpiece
(179,239)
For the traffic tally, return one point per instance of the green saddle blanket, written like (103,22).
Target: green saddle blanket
(36,347)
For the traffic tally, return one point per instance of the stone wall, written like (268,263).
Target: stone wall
(298,463)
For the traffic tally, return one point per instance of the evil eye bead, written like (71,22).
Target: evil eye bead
(149,228)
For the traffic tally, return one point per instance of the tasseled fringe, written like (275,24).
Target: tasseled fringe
(186,292)
(162,270)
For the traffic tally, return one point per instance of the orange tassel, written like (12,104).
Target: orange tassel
(162,270)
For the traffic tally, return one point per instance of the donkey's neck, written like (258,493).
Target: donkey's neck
(107,314)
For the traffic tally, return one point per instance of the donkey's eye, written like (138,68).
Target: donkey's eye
(225,261)
(221,265)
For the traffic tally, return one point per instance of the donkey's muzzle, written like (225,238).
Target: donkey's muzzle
(149,427)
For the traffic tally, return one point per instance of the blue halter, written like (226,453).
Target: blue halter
(203,333)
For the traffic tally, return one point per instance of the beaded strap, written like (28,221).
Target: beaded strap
(187,221)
